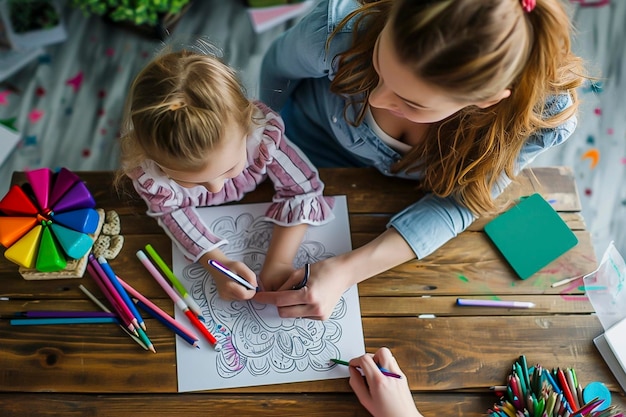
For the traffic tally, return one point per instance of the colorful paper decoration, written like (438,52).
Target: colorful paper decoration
(48,220)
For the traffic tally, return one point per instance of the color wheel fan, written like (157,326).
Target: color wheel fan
(47,221)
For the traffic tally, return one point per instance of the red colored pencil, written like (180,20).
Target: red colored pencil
(198,325)
(178,300)
(565,387)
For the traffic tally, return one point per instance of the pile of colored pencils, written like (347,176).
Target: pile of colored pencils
(123,307)
(539,392)
(125,299)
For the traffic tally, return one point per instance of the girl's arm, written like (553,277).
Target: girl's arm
(283,248)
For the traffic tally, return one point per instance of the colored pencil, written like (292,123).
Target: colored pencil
(112,294)
(176,329)
(524,369)
(122,292)
(180,303)
(103,283)
(572,387)
(144,337)
(104,308)
(52,313)
(493,303)
(178,300)
(567,393)
(555,386)
(565,281)
(384,371)
(230,274)
(156,309)
(174,280)
(63,320)
(589,407)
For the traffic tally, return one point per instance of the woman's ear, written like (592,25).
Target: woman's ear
(495,99)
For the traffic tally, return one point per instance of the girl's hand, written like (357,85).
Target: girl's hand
(283,247)
(383,396)
(274,275)
(327,282)
(228,289)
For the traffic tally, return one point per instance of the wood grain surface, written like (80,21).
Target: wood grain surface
(450,354)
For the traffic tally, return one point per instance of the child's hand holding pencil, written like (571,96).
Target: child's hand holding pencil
(382,395)
(233,279)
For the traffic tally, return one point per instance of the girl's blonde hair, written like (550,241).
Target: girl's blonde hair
(178,108)
(471,50)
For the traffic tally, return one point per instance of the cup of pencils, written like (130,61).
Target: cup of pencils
(540,392)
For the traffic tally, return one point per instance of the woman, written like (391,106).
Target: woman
(458,95)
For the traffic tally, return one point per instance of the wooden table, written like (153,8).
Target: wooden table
(450,360)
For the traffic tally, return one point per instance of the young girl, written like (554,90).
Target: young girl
(192,138)
(458,95)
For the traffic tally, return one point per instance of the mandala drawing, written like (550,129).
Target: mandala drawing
(253,338)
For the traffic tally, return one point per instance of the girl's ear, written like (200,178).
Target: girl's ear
(495,99)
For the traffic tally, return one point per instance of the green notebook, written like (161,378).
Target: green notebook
(530,235)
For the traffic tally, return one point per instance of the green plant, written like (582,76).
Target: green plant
(138,12)
(32,15)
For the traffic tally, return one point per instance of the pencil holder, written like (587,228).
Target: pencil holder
(539,392)
(49,224)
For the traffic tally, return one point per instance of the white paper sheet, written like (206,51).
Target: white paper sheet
(258,347)
(616,338)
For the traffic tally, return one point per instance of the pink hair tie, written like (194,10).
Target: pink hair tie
(528,5)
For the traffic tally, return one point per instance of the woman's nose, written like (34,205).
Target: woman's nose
(382,97)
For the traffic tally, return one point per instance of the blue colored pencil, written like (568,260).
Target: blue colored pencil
(63,320)
(166,323)
(113,278)
(107,288)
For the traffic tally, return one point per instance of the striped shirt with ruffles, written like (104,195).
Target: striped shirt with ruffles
(298,189)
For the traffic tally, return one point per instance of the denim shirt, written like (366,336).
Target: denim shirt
(295,79)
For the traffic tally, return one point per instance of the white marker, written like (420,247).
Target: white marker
(494,303)
(230,274)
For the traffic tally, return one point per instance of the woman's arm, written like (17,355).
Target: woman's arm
(331,277)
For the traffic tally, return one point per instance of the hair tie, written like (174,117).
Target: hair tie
(528,5)
(176,106)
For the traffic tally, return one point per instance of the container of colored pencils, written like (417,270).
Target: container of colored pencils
(540,392)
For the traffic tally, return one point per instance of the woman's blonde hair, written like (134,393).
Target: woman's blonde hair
(178,108)
(471,50)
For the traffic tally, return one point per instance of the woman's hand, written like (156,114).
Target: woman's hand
(331,277)
(383,396)
(326,283)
